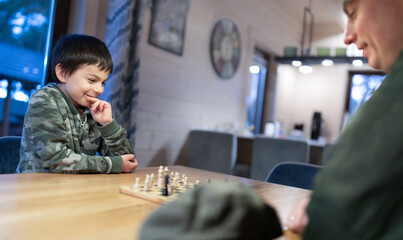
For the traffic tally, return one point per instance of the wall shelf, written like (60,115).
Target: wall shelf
(318,60)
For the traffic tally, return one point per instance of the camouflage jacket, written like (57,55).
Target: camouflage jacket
(56,138)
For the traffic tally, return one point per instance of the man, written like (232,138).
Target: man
(359,194)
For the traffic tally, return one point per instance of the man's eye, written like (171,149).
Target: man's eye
(350,8)
(351,14)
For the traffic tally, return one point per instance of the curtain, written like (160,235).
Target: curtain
(123,38)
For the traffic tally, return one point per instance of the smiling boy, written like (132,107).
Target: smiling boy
(66,124)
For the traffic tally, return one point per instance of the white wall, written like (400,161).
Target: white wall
(88,17)
(300,95)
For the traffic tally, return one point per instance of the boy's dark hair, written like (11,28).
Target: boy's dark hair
(75,51)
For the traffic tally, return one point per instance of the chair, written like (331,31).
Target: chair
(294,174)
(212,151)
(9,153)
(267,152)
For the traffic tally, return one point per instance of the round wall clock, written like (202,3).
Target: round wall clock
(225,47)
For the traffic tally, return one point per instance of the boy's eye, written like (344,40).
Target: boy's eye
(91,80)
(103,83)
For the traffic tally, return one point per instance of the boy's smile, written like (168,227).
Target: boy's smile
(87,82)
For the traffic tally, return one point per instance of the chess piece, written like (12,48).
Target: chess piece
(185,181)
(146,182)
(183,177)
(136,184)
(151,182)
(165,189)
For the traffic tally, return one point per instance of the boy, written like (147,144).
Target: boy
(66,125)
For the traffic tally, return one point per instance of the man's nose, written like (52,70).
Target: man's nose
(350,36)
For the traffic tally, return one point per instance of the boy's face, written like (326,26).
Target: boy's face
(88,80)
(374,26)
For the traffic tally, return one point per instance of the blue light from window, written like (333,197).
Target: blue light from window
(18,93)
(3,88)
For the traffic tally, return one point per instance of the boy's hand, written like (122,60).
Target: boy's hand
(129,163)
(101,111)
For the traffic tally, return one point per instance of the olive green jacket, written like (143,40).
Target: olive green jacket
(359,194)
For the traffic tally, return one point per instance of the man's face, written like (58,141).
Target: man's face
(375,27)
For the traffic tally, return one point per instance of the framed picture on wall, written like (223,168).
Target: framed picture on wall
(168,22)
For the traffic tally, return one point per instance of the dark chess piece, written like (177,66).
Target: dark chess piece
(165,189)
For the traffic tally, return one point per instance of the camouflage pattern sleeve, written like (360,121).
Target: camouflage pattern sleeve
(54,139)
(115,141)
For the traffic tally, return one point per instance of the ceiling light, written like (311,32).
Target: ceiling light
(254,69)
(305,69)
(357,63)
(296,63)
(327,63)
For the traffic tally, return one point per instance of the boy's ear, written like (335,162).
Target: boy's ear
(60,74)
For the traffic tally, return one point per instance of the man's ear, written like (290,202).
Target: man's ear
(60,74)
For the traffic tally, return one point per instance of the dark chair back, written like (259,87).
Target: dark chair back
(212,150)
(294,174)
(9,153)
(268,151)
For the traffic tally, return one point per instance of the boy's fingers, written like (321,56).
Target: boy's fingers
(91,99)
(102,106)
(95,105)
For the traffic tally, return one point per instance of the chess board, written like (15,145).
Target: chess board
(154,194)
(147,190)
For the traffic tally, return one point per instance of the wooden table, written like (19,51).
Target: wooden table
(89,206)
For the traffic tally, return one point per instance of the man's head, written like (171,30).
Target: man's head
(73,52)
(375,27)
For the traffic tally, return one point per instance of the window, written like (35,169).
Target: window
(361,87)
(25,38)
(255,99)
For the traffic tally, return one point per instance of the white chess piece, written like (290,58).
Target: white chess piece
(176,179)
(146,182)
(136,184)
(183,177)
(151,182)
(185,181)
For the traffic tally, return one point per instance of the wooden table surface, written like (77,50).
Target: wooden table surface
(89,206)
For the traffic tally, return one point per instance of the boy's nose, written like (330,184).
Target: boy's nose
(99,88)
(350,36)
